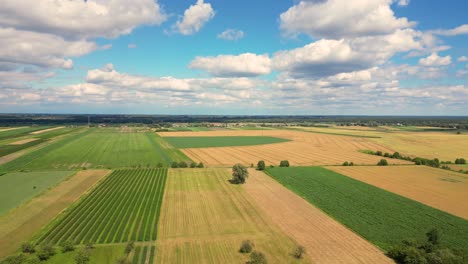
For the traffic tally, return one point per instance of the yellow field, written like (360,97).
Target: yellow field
(303,149)
(442,145)
(22,223)
(204,219)
(325,240)
(442,189)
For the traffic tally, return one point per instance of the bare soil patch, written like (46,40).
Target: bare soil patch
(46,130)
(23,141)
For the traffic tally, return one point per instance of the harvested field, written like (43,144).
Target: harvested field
(22,223)
(304,149)
(438,188)
(204,219)
(124,207)
(23,141)
(381,217)
(325,240)
(46,130)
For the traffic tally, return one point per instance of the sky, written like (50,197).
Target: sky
(218,57)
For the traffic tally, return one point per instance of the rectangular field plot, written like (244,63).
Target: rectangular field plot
(101,148)
(205,142)
(438,188)
(381,217)
(124,207)
(204,219)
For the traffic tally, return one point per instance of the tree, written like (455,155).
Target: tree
(200,165)
(67,246)
(45,251)
(433,236)
(239,174)
(299,252)
(351,164)
(193,165)
(183,164)
(387,155)
(460,161)
(257,257)
(396,155)
(82,257)
(261,165)
(175,164)
(284,163)
(378,153)
(28,247)
(345,163)
(129,247)
(246,246)
(382,162)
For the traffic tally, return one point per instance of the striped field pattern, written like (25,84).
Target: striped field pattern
(124,207)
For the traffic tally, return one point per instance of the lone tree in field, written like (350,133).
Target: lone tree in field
(246,246)
(299,252)
(284,163)
(239,174)
(382,162)
(257,257)
(261,165)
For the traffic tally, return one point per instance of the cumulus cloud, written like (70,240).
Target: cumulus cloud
(41,49)
(460,30)
(435,60)
(231,34)
(403,2)
(463,59)
(80,19)
(243,65)
(335,19)
(194,18)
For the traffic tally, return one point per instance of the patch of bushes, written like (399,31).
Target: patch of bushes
(67,246)
(382,162)
(246,246)
(460,161)
(261,165)
(348,163)
(45,251)
(299,252)
(257,257)
(284,163)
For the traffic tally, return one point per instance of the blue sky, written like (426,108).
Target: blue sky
(383,57)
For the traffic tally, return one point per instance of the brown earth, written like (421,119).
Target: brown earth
(325,240)
(23,141)
(22,223)
(45,130)
(441,189)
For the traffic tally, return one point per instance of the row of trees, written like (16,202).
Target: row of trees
(261,164)
(184,164)
(257,257)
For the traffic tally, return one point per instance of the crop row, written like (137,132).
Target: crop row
(141,254)
(125,206)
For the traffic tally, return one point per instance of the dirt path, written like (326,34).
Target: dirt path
(22,223)
(23,141)
(46,130)
(325,240)
(8,129)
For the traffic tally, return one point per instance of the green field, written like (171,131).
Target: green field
(142,253)
(124,207)
(100,148)
(18,187)
(22,131)
(206,142)
(381,217)
(100,254)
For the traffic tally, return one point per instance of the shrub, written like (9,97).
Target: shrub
(183,164)
(378,153)
(299,252)
(160,165)
(82,257)
(200,165)
(18,259)
(193,165)
(396,155)
(261,165)
(345,163)
(351,164)
(284,163)
(67,246)
(175,165)
(257,257)
(239,174)
(246,246)
(28,247)
(387,155)
(45,252)
(382,162)
(460,161)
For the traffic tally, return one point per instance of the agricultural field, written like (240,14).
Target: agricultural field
(99,148)
(206,142)
(100,254)
(385,221)
(144,254)
(22,223)
(19,187)
(124,207)
(304,148)
(437,188)
(325,240)
(204,219)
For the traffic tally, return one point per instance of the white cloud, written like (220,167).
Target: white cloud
(403,2)
(231,34)
(463,59)
(80,19)
(132,46)
(460,30)
(195,17)
(435,60)
(40,49)
(247,64)
(335,19)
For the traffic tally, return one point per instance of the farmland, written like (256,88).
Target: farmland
(437,188)
(205,142)
(386,221)
(124,207)
(18,187)
(22,223)
(303,149)
(204,219)
(99,148)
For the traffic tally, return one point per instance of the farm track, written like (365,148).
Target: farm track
(124,207)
